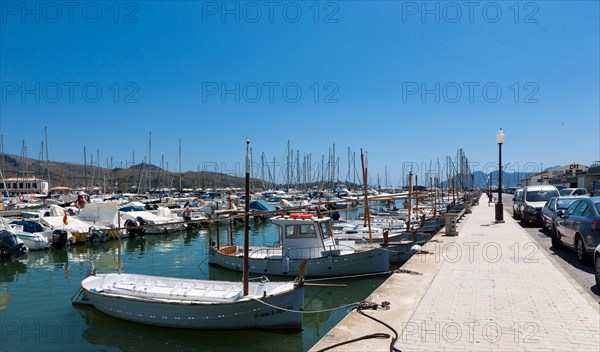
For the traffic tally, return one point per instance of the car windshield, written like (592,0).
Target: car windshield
(565,192)
(540,196)
(564,203)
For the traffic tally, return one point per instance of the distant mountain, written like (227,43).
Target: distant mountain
(145,166)
(142,176)
(509,179)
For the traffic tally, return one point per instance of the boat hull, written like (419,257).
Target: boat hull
(34,243)
(362,262)
(179,311)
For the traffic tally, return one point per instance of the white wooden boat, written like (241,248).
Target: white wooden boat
(195,304)
(303,237)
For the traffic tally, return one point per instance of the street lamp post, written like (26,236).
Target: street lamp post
(499,211)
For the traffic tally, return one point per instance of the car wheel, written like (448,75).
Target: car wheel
(556,243)
(597,270)
(582,255)
(544,227)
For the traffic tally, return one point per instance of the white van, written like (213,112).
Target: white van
(533,200)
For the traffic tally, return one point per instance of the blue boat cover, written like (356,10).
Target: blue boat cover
(29,226)
(261,205)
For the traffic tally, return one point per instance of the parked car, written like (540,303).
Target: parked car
(573,192)
(597,265)
(578,227)
(552,206)
(533,200)
(517,198)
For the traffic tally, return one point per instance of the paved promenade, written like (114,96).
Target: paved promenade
(490,288)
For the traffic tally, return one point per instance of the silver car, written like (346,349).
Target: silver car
(552,207)
(578,227)
(533,200)
(517,199)
(573,192)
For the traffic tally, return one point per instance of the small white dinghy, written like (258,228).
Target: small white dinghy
(196,304)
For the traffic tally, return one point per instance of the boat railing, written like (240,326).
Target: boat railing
(313,252)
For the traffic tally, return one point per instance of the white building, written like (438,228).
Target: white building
(24,185)
(566,176)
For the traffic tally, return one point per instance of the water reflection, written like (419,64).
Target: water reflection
(10,269)
(51,277)
(101,329)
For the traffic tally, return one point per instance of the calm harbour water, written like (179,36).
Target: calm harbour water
(36,312)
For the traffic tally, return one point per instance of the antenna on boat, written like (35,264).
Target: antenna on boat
(247,220)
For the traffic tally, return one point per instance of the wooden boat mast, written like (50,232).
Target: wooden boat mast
(247,221)
(367,210)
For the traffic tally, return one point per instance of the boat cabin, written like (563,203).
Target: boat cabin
(304,236)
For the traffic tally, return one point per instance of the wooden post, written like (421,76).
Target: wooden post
(365,178)
(247,221)
(409,200)
(119,236)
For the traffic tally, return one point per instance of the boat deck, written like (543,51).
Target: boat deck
(176,290)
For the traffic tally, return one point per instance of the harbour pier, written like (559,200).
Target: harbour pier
(489,288)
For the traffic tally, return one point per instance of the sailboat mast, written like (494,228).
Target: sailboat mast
(262,170)
(247,221)
(150,162)
(47,158)
(367,211)
(179,164)
(84,167)
(288,166)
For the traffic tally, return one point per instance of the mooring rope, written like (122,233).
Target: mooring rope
(370,305)
(307,311)
(351,276)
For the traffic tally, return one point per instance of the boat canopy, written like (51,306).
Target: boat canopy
(29,226)
(261,205)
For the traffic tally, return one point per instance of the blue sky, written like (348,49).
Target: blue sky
(409,82)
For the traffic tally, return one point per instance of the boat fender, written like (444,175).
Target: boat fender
(266,264)
(329,261)
(285,263)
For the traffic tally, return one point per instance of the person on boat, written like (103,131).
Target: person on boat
(80,202)
(187,214)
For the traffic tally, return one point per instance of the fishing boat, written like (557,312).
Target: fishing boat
(303,237)
(198,304)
